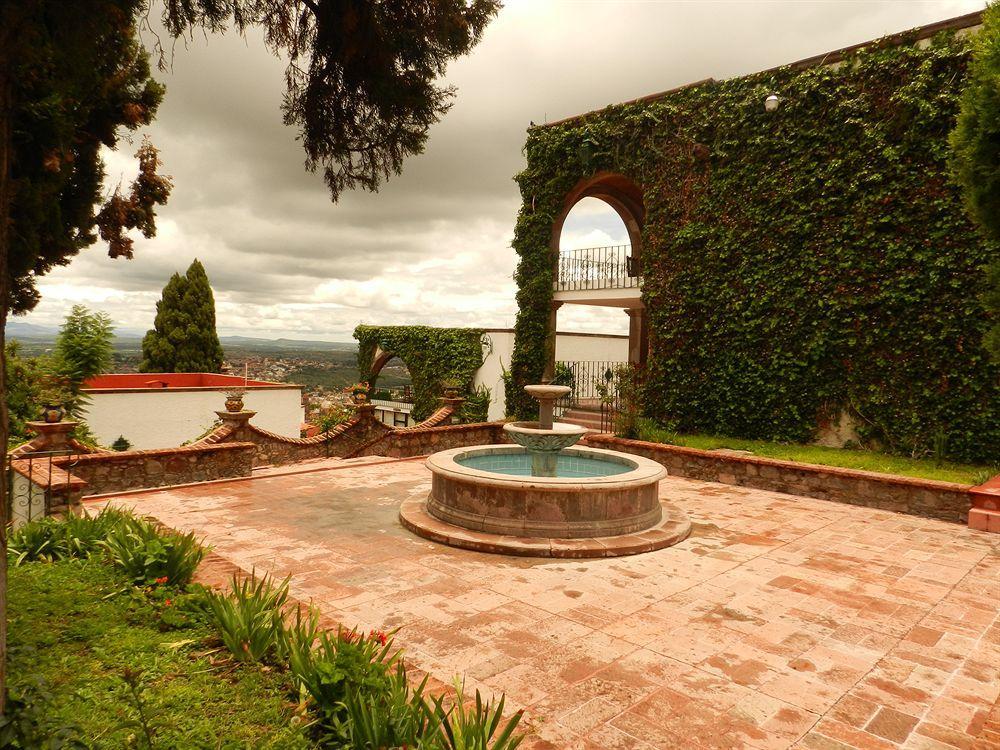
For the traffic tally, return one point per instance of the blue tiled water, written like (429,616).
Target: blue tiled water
(519,464)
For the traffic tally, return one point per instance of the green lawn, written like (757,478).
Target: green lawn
(865,460)
(79,626)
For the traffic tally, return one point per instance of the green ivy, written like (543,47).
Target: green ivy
(434,356)
(795,263)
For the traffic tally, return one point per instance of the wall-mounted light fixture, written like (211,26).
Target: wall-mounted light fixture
(771,103)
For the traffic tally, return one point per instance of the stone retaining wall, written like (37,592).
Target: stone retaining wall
(421,441)
(919,497)
(131,470)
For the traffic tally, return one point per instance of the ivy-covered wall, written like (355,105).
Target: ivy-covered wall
(434,357)
(796,262)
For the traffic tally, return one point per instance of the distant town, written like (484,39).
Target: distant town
(323,368)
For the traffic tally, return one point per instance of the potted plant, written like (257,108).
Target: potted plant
(234,399)
(452,388)
(359,391)
(53,400)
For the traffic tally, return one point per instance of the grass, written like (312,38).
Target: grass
(83,629)
(865,460)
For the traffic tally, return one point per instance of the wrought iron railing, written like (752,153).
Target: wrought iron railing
(598,268)
(597,387)
(35,483)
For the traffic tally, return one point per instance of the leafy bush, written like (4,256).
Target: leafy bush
(147,555)
(334,667)
(473,728)
(50,539)
(250,619)
(476,407)
(358,685)
(27,724)
(35,541)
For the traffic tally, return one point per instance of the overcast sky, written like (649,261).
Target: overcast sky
(433,247)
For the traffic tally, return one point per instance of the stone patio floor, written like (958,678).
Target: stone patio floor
(781,622)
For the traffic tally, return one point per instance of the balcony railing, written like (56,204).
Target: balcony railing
(598,268)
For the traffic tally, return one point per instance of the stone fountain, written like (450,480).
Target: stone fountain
(544,439)
(545,496)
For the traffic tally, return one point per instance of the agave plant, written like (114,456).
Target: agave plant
(251,620)
(83,535)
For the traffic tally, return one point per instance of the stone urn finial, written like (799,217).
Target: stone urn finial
(234,399)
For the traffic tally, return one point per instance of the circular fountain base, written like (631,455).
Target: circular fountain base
(602,504)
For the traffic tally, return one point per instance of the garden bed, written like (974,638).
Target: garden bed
(79,630)
(846,458)
(946,501)
(112,646)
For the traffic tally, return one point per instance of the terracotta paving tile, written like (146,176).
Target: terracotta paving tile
(780,622)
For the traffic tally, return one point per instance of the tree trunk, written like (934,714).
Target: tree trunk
(6,196)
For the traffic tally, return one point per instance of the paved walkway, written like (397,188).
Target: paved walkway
(782,621)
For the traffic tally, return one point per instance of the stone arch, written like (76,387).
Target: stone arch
(619,192)
(380,359)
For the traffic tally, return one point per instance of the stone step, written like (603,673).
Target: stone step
(588,422)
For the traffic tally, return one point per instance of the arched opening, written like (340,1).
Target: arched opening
(592,232)
(391,388)
(596,249)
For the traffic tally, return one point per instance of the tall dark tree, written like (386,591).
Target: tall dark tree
(360,88)
(976,145)
(72,76)
(183,338)
(360,85)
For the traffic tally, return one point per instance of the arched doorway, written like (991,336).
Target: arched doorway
(595,284)
(391,388)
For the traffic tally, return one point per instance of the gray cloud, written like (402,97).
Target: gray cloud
(433,246)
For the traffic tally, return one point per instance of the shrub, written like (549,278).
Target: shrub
(147,555)
(121,444)
(398,718)
(473,728)
(250,619)
(341,666)
(35,541)
(49,539)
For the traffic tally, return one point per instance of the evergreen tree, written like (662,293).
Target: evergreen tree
(976,145)
(84,345)
(183,338)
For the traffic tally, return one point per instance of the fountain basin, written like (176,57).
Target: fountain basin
(533,436)
(608,493)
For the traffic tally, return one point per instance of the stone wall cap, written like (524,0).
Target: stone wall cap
(839,471)
(184,450)
(446,462)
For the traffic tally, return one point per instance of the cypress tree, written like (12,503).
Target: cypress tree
(183,338)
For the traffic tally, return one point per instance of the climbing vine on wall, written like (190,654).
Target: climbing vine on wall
(434,356)
(796,263)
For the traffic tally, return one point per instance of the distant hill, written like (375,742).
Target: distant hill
(17,329)
(246,342)
(20,329)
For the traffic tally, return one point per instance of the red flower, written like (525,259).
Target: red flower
(166,603)
(161,580)
(378,635)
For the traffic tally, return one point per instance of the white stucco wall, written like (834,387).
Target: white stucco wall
(575,347)
(169,417)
